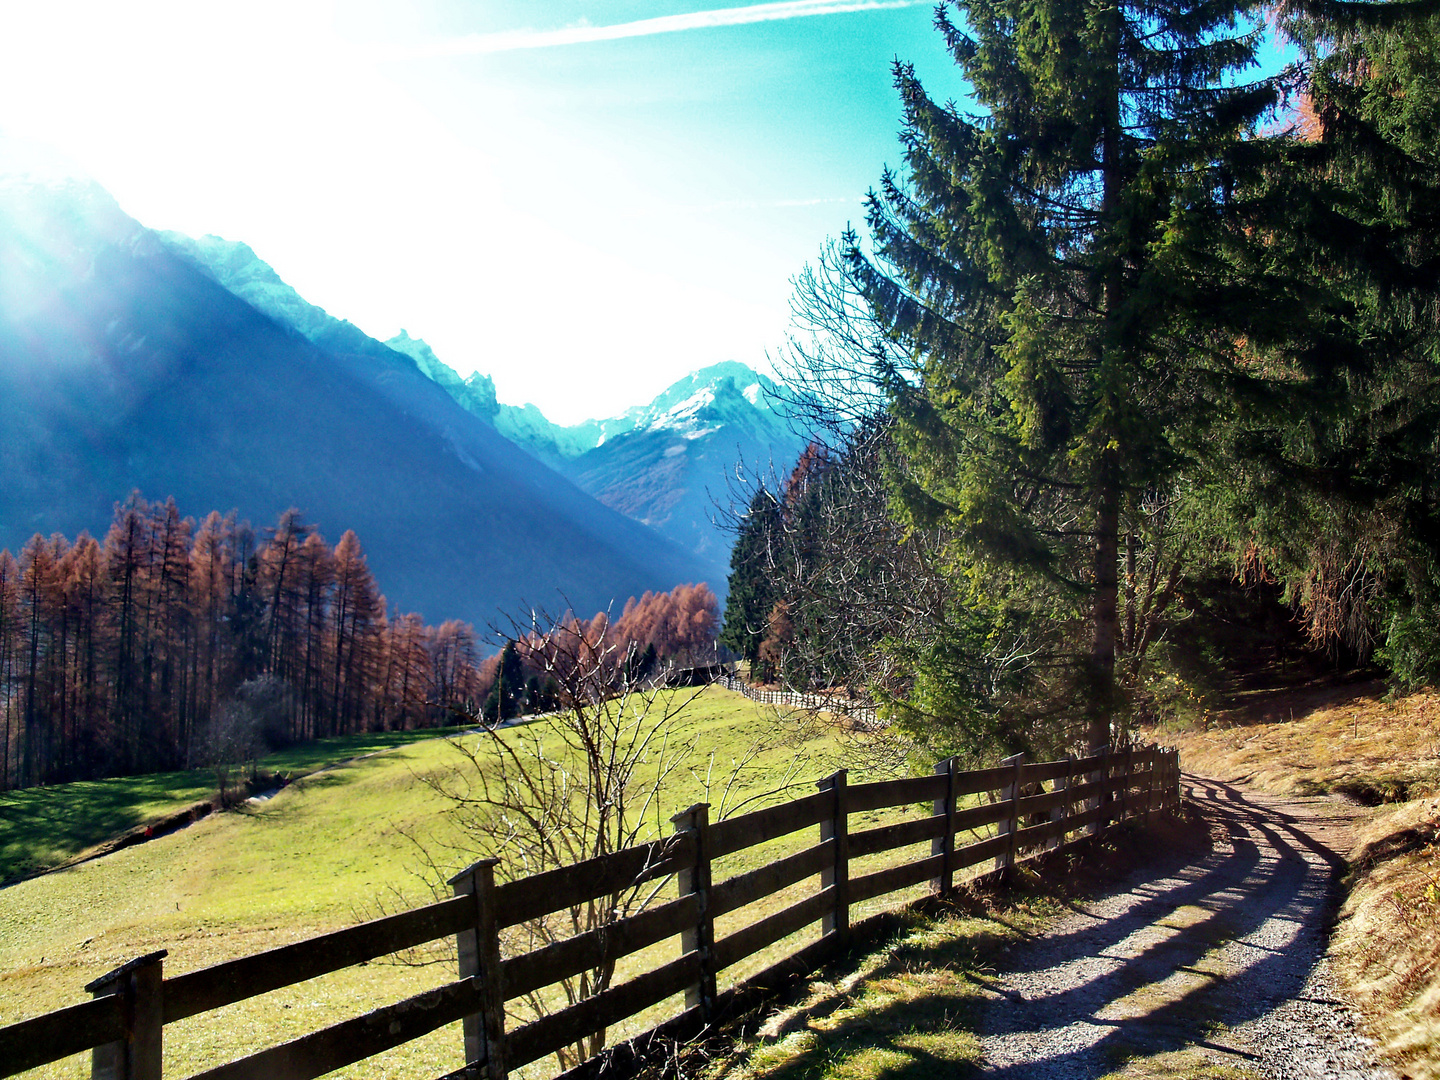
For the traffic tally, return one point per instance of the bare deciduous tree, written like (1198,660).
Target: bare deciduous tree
(591,778)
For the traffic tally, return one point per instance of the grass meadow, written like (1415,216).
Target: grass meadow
(321,854)
(45,827)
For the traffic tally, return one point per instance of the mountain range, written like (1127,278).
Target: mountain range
(126,363)
(664,464)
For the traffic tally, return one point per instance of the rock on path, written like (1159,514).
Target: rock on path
(1210,968)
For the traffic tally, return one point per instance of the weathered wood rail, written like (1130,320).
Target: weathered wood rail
(1019,815)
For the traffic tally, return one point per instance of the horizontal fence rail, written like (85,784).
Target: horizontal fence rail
(988,819)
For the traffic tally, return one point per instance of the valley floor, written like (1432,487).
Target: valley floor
(1180,962)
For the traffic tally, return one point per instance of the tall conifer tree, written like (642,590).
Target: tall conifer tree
(752,575)
(1072,274)
(1344,507)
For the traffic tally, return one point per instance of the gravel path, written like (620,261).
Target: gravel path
(1209,968)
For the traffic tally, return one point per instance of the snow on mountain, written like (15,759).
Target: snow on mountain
(669,463)
(695,406)
(666,463)
(553,444)
(475,394)
(237,267)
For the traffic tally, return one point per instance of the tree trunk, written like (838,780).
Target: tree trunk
(1105,612)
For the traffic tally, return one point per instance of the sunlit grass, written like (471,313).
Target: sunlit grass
(44,827)
(1386,943)
(1351,740)
(323,853)
(906,1010)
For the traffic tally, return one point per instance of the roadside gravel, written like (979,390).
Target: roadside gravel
(1211,968)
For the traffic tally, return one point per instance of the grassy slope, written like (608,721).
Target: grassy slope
(315,857)
(44,827)
(1350,739)
(1355,741)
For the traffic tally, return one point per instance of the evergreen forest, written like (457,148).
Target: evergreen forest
(1130,386)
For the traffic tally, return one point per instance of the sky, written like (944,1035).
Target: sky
(584,199)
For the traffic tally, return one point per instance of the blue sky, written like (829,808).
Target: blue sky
(583,199)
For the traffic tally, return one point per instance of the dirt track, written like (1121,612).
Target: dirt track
(1208,968)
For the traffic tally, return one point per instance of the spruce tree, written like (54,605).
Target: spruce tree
(752,588)
(1074,273)
(1344,507)
(509,692)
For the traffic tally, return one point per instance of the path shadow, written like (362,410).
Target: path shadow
(1199,945)
(1205,948)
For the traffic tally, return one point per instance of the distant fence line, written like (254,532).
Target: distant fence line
(123,1026)
(863,713)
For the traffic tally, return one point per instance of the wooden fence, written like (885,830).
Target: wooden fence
(123,1025)
(862,713)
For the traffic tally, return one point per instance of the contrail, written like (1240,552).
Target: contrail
(509,40)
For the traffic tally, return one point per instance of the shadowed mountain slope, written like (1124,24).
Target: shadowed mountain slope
(665,463)
(124,366)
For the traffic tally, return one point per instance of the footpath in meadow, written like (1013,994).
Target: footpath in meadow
(1202,968)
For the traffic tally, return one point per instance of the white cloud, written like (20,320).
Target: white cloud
(585,33)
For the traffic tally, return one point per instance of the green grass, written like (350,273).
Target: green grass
(46,826)
(43,827)
(317,856)
(329,849)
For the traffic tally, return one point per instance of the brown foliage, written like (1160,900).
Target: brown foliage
(120,657)
(682,624)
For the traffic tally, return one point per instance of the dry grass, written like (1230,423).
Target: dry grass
(1350,739)
(1357,741)
(1386,946)
(1192,1063)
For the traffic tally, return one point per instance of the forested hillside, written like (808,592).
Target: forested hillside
(170,644)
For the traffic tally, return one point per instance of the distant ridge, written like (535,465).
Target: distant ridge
(672,463)
(665,463)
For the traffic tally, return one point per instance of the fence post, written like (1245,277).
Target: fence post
(837,875)
(140,984)
(1061,811)
(1010,824)
(945,845)
(480,959)
(1154,756)
(1100,777)
(1129,781)
(700,937)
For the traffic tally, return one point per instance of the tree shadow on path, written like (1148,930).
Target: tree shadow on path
(1175,960)
(1165,972)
